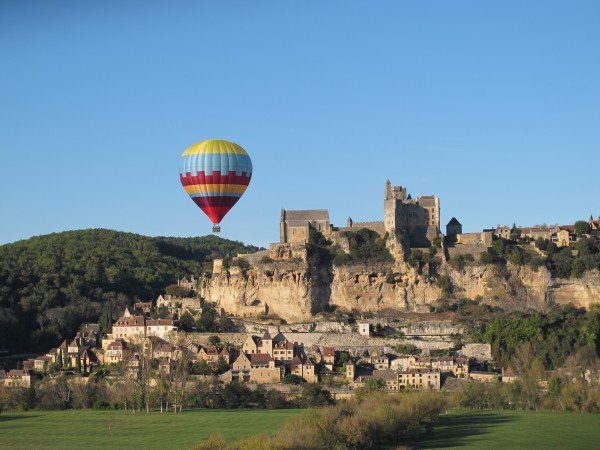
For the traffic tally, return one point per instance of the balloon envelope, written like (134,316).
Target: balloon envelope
(215,174)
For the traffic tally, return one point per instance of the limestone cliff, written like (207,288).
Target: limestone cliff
(295,292)
(582,292)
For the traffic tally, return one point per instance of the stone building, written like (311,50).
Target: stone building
(295,225)
(418,218)
(453,228)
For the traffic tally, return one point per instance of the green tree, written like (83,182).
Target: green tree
(186,322)
(581,227)
(290,378)
(313,396)
(515,233)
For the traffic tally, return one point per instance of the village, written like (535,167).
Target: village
(268,358)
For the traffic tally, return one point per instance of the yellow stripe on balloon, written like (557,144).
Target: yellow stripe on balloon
(214,146)
(206,188)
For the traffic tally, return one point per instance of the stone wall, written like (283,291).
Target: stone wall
(480,352)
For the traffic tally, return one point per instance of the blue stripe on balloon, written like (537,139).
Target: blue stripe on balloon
(212,162)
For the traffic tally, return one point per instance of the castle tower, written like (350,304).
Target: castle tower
(418,218)
(350,371)
(393,198)
(267,343)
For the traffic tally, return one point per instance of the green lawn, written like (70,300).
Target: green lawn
(119,429)
(460,429)
(464,429)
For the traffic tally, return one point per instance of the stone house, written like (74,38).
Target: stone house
(508,375)
(295,225)
(115,352)
(444,364)
(484,377)
(460,367)
(564,236)
(364,328)
(380,361)
(160,327)
(283,350)
(306,369)
(225,355)
(210,354)
(143,307)
(129,328)
(158,348)
(41,363)
(15,378)
(190,284)
(502,232)
(390,377)
(251,345)
(534,233)
(179,305)
(420,379)
(255,368)
(329,357)
(403,363)
(279,348)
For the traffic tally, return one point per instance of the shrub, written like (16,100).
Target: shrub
(366,246)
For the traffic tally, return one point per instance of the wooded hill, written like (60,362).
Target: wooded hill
(51,284)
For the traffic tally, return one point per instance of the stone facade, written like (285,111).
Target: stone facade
(295,225)
(453,228)
(418,218)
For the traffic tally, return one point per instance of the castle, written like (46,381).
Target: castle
(417,219)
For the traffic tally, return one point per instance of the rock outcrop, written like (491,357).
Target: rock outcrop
(582,292)
(295,292)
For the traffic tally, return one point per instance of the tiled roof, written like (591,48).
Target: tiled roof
(306,214)
(284,345)
(211,350)
(329,351)
(118,344)
(453,221)
(386,375)
(157,322)
(134,321)
(260,358)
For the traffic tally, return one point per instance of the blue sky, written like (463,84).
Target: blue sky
(492,106)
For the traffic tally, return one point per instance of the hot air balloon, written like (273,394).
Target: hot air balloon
(215,174)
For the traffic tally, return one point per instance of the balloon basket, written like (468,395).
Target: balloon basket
(216,229)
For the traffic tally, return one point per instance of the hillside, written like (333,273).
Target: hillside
(50,284)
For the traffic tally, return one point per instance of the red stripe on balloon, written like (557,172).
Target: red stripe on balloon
(215,207)
(215,178)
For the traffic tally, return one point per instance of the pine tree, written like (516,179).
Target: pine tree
(66,362)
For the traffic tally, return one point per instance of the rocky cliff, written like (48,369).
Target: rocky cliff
(294,291)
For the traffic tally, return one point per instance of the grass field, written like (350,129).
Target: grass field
(466,430)
(119,429)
